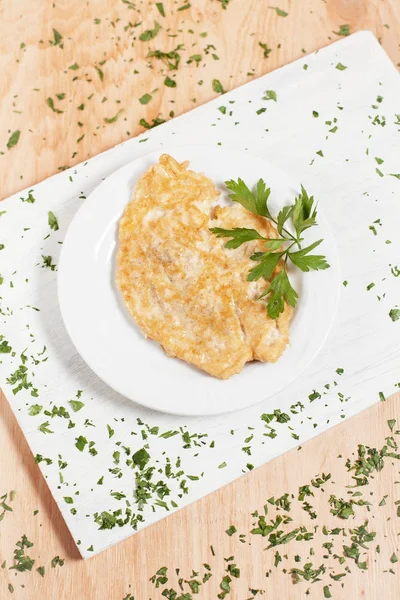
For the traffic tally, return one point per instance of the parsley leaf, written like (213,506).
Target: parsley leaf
(283,216)
(255,203)
(50,102)
(22,561)
(76,405)
(81,443)
(279,289)
(270,95)
(145,99)
(160,7)
(44,427)
(13,140)
(57,39)
(170,82)
(141,458)
(5,347)
(265,48)
(100,73)
(172,58)
(394,314)
(157,121)
(150,34)
(312,262)
(239,235)
(57,561)
(279,11)
(267,264)
(47,262)
(52,219)
(217,86)
(303,216)
(115,117)
(343,30)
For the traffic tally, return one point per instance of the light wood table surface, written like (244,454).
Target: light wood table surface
(33,70)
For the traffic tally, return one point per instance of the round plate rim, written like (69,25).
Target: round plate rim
(334,260)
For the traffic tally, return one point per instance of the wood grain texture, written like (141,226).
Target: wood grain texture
(105,30)
(183,540)
(38,71)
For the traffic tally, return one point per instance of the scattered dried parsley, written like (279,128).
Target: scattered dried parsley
(265,48)
(217,86)
(52,220)
(160,7)
(57,561)
(270,95)
(22,562)
(343,30)
(145,99)
(115,117)
(279,11)
(150,34)
(13,139)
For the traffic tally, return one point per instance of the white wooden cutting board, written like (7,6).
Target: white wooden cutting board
(335,130)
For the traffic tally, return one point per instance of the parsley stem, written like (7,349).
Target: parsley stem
(284,229)
(287,250)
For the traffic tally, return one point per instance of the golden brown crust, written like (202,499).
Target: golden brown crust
(182,287)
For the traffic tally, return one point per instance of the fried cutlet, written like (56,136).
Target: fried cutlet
(182,287)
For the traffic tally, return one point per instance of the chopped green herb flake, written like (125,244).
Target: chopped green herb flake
(170,82)
(57,39)
(80,443)
(150,34)
(50,102)
(57,561)
(265,48)
(100,73)
(13,139)
(279,11)
(217,86)
(115,117)
(52,220)
(343,30)
(231,530)
(145,99)
(160,8)
(141,458)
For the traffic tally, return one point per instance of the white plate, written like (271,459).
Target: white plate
(109,340)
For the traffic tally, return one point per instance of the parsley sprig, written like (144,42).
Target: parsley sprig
(278,251)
